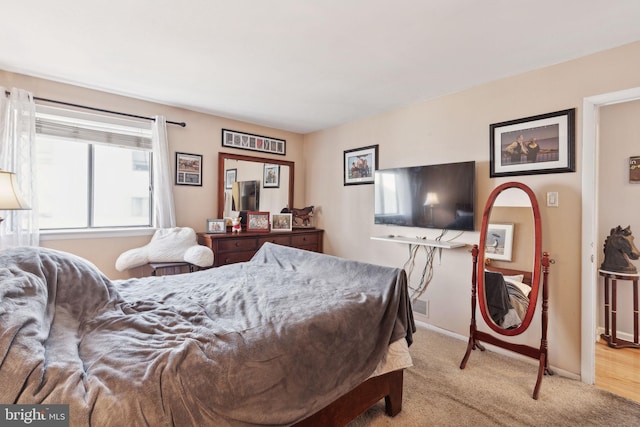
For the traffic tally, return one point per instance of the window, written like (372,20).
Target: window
(93,171)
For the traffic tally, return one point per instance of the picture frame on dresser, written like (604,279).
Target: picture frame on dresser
(216,226)
(258,222)
(281,222)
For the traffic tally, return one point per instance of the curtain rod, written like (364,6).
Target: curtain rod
(68,104)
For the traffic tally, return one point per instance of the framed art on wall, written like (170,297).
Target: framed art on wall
(634,170)
(533,145)
(258,221)
(271,178)
(359,165)
(230,176)
(249,141)
(499,242)
(188,169)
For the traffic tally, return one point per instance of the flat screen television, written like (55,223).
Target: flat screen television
(432,196)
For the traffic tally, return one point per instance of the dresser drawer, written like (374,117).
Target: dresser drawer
(237,245)
(304,241)
(278,240)
(225,258)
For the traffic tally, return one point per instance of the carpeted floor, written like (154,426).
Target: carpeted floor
(493,390)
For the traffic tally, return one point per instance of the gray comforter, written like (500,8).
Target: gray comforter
(269,341)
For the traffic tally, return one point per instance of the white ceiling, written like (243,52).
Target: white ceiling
(301,65)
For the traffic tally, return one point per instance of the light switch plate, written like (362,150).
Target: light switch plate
(552,199)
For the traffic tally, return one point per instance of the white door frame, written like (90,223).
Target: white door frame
(589,271)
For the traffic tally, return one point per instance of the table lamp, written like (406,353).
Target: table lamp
(10,198)
(430,202)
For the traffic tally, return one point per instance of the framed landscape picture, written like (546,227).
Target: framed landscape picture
(533,145)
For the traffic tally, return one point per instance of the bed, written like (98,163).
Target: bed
(507,296)
(289,338)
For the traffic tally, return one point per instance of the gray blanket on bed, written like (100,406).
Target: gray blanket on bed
(269,341)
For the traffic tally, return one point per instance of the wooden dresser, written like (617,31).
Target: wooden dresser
(229,248)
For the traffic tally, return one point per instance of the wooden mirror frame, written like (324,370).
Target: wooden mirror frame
(536,265)
(541,262)
(221,178)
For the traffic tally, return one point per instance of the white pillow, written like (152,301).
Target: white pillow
(517,277)
(524,288)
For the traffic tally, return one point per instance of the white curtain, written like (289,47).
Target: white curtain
(17,154)
(165,213)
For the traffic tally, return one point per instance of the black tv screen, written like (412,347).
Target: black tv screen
(434,196)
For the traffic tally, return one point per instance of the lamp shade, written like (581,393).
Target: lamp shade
(10,198)
(432,199)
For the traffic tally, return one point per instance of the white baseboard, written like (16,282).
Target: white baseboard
(498,350)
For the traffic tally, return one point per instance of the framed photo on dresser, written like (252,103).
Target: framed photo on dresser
(282,222)
(258,221)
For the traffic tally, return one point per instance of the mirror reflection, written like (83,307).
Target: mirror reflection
(508,257)
(249,193)
(248,183)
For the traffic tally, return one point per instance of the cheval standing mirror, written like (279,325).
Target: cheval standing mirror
(507,267)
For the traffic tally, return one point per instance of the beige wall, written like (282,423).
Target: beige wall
(619,200)
(456,128)
(202,135)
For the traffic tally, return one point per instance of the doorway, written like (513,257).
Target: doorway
(589,269)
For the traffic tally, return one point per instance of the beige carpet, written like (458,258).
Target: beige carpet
(493,390)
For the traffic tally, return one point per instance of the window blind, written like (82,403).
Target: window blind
(94,128)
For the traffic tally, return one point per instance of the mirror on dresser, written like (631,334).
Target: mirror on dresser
(249,173)
(509,272)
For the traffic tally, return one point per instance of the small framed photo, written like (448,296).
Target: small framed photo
(230,176)
(258,221)
(188,169)
(271,177)
(499,244)
(281,222)
(634,170)
(360,164)
(216,226)
(533,145)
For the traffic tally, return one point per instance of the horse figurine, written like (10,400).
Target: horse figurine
(618,249)
(303,215)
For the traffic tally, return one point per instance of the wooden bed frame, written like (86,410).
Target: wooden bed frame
(354,403)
